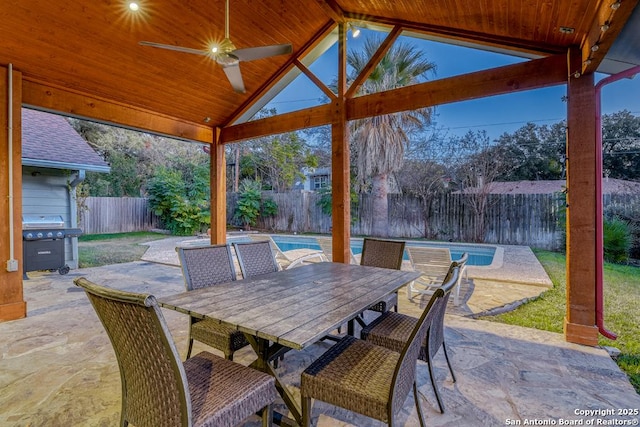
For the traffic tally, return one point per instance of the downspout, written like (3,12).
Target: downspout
(630,73)
(12,263)
(73,212)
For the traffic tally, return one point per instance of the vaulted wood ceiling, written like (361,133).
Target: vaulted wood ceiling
(90,48)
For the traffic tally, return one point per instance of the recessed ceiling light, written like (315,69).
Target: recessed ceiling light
(566,30)
(134,6)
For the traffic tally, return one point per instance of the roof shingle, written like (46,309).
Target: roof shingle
(49,137)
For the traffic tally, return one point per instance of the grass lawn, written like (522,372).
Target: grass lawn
(95,250)
(621,312)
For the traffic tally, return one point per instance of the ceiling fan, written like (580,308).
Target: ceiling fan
(227,56)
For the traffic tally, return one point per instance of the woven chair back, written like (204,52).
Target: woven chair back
(255,258)
(382,253)
(204,266)
(406,370)
(154,391)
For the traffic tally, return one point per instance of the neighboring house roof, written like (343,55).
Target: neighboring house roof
(609,186)
(49,141)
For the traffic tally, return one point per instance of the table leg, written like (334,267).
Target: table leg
(264,352)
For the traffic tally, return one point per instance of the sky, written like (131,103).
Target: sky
(495,115)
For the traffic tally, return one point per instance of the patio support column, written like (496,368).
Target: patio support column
(12,304)
(218,190)
(340,179)
(580,320)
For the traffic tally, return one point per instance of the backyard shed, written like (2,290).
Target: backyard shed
(54,161)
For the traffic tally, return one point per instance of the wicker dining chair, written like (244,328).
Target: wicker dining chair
(204,266)
(372,380)
(384,254)
(255,258)
(157,388)
(392,330)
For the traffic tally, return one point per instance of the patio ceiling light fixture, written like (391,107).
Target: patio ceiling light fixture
(355,31)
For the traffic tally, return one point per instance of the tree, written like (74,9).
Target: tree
(476,175)
(134,158)
(276,160)
(621,145)
(533,152)
(378,143)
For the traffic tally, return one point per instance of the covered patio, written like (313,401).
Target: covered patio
(58,366)
(85,60)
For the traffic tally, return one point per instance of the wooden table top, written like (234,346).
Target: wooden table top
(294,307)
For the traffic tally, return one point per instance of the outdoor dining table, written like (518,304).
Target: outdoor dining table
(291,309)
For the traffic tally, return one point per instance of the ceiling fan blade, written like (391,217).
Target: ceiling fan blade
(235,77)
(252,53)
(176,48)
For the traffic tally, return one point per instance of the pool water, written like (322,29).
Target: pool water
(478,254)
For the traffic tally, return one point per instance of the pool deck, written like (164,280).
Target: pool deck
(57,366)
(514,277)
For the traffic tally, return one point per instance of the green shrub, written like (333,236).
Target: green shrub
(174,202)
(618,238)
(250,204)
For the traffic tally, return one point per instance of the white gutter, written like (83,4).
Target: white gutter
(12,263)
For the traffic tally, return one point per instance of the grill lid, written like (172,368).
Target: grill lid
(32,222)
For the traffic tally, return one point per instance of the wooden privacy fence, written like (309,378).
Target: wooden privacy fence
(116,215)
(522,219)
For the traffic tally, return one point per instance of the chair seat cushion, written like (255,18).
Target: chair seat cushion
(228,390)
(218,336)
(392,330)
(354,375)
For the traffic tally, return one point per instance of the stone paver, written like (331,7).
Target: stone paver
(57,367)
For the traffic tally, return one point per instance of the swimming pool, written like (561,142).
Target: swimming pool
(479,255)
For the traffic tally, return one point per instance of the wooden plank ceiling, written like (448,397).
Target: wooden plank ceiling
(91,47)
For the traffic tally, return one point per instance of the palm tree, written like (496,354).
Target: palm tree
(378,143)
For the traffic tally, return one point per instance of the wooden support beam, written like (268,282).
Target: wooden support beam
(333,10)
(373,61)
(81,105)
(12,304)
(258,94)
(340,170)
(218,192)
(528,75)
(580,321)
(288,122)
(315,79)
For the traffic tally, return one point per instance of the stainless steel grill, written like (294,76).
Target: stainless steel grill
(43,243)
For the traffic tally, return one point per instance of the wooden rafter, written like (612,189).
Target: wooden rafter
(302,119)
(315,79)
(528,75)
(374,60)
(255,97)
(82,105)
(333,10)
